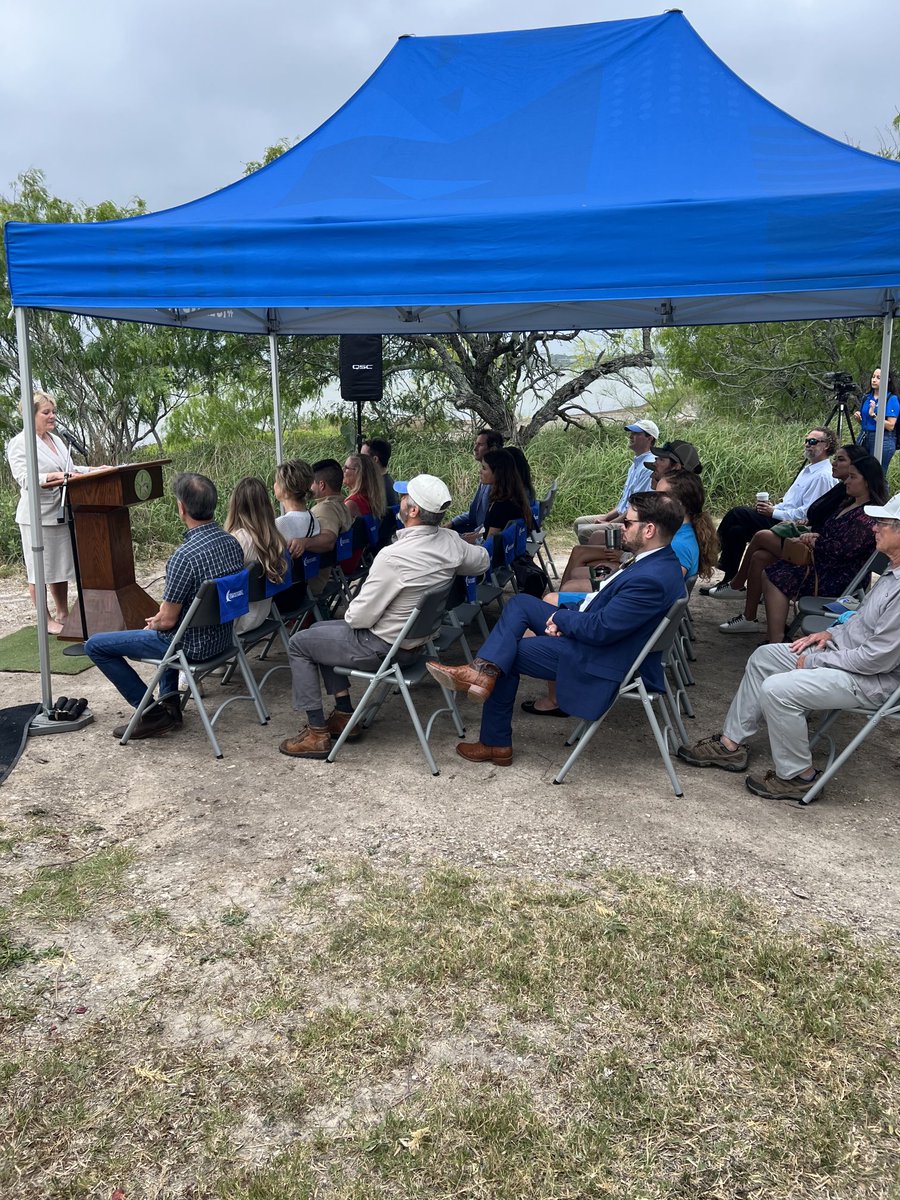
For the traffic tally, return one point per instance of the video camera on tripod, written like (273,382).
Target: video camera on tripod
(842,385)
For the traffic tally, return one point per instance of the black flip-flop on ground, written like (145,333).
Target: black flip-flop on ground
(528,706)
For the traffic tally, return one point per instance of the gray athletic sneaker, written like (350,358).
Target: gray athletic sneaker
(724,591)
(709,752)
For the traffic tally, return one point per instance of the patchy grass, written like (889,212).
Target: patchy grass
(403,1034)
(68,891)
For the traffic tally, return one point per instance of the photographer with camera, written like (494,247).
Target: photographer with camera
(867,415)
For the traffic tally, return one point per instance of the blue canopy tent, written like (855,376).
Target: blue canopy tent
(595,176)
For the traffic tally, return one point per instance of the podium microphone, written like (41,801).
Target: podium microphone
(73,441)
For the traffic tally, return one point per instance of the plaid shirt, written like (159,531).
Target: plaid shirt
(206,552)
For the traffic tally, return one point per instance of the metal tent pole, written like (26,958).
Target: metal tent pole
(26,388)
(276,396)
(886,337)
(41,723)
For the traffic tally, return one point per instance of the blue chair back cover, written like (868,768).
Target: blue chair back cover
(312,565)
(344,545)
(374,530)
(272,589)
(234,595)
(488,544)
(510,537)
(521,537)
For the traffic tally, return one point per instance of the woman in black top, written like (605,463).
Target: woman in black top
(508,499)
(766,545)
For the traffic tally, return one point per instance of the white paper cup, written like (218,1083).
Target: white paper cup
(762,497)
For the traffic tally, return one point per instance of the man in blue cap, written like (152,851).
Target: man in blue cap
(642,437)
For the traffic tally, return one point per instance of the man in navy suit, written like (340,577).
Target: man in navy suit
(589,651)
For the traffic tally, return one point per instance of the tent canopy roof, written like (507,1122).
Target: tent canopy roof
(593,176)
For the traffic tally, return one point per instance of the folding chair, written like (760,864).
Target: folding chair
(275,625)
(203,612)
(423,622)
(464,610)
(814,606)
(537,539)
(633,688)
(346,580)
(890,709)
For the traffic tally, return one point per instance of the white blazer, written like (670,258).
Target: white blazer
(51,498)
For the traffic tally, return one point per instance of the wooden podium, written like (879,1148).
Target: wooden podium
(100,503)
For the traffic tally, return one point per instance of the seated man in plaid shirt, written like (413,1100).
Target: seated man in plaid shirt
(206,552)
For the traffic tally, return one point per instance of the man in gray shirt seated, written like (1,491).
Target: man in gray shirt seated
(851,664)
(423,557)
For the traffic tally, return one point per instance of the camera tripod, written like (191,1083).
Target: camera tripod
(842,411)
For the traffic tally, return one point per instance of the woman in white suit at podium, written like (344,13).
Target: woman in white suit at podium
(54,463)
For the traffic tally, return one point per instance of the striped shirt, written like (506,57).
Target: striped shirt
(206,552)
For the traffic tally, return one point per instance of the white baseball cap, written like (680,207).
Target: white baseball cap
(648,427)
(887,512)
(426,491)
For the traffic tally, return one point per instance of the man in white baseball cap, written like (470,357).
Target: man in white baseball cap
(423,557)
(642,436)
(855,661)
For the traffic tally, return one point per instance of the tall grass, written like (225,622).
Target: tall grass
(738,460)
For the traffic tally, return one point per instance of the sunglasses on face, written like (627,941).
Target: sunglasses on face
(628,523)
(814,441)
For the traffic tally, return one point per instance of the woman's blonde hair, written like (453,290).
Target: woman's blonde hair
(40,398)
(369,483)
(250,509)
(295,478)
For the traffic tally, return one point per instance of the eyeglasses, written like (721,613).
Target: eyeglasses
(628,523)
(815,441)
(887,521)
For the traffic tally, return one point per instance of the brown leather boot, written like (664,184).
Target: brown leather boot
(338,721)
(499,756)
(478,679)
(309,743)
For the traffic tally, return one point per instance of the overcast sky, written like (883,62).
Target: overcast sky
(168,99)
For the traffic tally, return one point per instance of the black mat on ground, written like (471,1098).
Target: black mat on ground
(14,724)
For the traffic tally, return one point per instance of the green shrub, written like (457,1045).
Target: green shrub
(739,459)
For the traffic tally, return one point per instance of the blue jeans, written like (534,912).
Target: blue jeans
(110,650)
(867,441)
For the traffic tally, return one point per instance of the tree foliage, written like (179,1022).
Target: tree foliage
(497,377)
(774,370)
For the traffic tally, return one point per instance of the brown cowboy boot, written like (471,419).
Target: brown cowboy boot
(478,679)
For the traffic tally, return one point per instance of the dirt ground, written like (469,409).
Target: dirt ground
(255,816)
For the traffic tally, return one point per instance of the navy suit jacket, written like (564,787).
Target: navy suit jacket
(468,522)
(601,643)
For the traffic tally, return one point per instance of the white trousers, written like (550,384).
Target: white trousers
(773,689)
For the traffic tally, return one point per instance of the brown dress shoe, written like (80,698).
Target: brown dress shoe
(309,743)
(156,719)
(337,723)
(478,679)
(500,756)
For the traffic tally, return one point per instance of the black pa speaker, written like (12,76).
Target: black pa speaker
(362,375)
